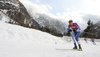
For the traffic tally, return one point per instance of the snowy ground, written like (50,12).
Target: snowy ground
(16,41)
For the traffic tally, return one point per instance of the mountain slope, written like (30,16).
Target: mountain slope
(47,21)
(16,13)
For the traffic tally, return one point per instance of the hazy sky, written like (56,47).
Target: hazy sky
(58,6)
(78,10)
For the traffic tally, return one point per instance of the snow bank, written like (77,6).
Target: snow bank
(20,33)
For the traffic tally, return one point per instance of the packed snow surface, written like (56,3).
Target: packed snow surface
(17,41)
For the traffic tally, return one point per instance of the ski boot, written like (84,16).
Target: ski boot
(80,49)
(75,47)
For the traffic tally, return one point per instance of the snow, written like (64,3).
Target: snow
(3,16)
(17,41)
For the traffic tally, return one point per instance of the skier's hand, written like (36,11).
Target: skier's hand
(70,30)
(74,30)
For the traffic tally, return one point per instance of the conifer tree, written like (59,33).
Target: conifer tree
(89,31)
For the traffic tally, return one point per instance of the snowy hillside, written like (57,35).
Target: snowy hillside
(17,41)
(20,33)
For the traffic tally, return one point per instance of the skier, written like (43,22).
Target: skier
(74,29)
(92,39)
(85,39)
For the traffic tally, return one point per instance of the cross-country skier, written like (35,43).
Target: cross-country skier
(92,39)
(74,29)
(85,39)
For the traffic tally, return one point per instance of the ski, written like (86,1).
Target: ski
(70,49)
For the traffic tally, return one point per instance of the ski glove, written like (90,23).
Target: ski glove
(70,30)
(74,30)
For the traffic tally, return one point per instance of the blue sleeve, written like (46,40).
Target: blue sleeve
(78,28)
(68,27)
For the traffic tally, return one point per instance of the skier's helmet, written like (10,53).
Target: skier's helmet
(70,21)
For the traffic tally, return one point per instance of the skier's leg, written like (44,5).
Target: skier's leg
(73,38)
(77,37)
(94,43)
(75,46)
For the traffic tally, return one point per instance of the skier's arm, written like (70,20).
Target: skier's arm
(78,28)
(68,28)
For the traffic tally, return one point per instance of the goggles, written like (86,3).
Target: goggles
(70,21)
